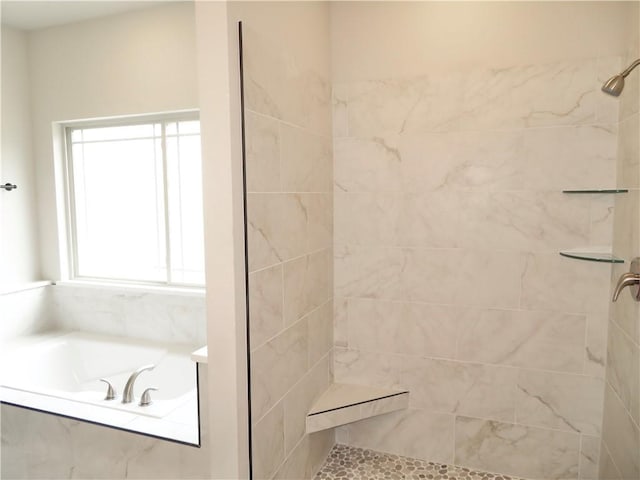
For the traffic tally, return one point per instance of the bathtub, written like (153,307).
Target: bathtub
(63,370)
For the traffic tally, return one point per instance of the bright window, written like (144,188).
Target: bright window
(135,192)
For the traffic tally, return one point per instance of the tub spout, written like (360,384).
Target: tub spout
(127,396)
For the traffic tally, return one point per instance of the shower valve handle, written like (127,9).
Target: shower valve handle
(631,280)
(8,187)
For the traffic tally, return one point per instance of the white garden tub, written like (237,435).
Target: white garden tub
(64,369)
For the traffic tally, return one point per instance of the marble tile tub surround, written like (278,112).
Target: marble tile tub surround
(289,170)
(167,316)
(448,219)
(84,450)
(24,311)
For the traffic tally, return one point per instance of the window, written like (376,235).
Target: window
(135,201)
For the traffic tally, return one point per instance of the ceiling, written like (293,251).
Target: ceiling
(33,15)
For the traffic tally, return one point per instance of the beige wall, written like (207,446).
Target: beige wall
(19,255)
(132,63)
(399,39)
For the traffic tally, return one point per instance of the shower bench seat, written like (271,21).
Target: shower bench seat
(344,403)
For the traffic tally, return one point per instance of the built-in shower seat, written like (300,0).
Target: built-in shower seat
(344,403)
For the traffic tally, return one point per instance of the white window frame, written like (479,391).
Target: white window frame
(69,265)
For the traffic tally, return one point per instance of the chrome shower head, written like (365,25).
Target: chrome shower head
(615,84)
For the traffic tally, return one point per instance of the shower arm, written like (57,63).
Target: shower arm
(628,70)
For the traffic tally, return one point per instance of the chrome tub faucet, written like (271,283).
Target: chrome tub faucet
(127,396)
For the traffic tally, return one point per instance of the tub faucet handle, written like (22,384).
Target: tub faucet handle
(145,400)
(127,396)
(111,392)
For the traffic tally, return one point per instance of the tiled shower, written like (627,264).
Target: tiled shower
(449,208)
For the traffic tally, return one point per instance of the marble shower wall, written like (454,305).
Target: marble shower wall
(620,450)
(448,221)
(289,170)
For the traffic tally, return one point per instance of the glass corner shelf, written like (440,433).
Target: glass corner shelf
(597,191)
(592,254)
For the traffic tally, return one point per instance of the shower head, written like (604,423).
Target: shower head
(615,84)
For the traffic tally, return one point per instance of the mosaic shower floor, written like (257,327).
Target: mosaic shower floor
(351,463)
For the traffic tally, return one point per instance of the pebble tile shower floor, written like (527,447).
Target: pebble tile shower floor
(351,463)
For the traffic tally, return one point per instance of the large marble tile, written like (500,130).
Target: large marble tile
(369,369)
(621,436)
(340,98)
(516,97)
(623,369)
(307,458)
(26,312)
(628,171)
(429,275)
(560,401)
(340,322)
(460,388)
(507,448)
(320,333)
(85,450)
(265,304)
(595,350)
(306,161)
(398,219)
(262,151)
(607,469)
(268,443)
(276,366)
(306,284)
(587,153)
(526,221)
(547,340)
(552,282)
(406,328)
(411,433)
(299,401)
(367,165)
(155,316)
(626,229)
(319,211)
(276,228)
(601,212)
(589,457)
(281,85)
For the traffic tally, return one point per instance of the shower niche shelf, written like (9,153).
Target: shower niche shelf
(592,254)
(343,403)
(595,191)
